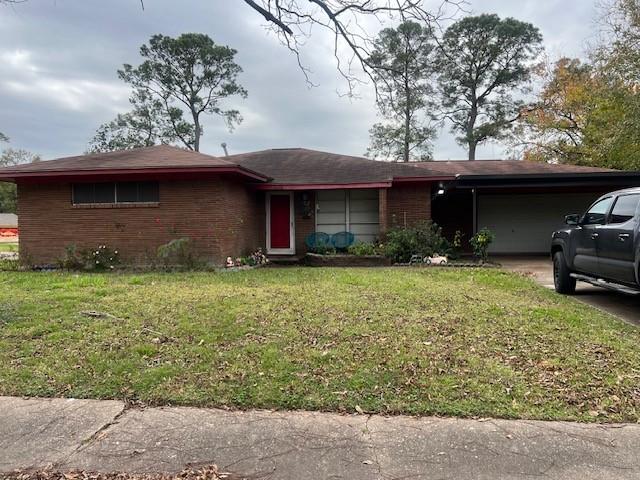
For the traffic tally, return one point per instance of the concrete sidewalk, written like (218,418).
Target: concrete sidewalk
(104,436)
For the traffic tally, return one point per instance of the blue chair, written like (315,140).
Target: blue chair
(317,240)
(343,240)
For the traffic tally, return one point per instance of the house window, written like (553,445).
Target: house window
(114,193)
(354,211)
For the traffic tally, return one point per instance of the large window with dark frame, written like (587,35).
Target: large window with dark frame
(115,192)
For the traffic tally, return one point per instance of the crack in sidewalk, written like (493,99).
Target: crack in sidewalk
(95,436)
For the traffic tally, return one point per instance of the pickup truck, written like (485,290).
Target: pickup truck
(601,247)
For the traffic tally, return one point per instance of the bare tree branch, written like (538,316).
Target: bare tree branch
(352,24)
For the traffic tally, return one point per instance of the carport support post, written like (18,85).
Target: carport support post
(475,211)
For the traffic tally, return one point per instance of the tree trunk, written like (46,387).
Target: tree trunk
(407,110)
(196,139)
(472,149)
(197,131)
(407,124)
(471,141)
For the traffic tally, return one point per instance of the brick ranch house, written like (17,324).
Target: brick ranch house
(137,200)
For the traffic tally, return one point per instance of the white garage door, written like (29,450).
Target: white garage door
(524,223)
(354,211)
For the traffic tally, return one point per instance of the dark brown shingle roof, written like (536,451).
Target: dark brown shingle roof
(160,156)
(293,166)
(288,166)
(501,167)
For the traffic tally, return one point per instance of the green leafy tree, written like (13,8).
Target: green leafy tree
(403,60)
(147,124)
(618,53)
(589,114)
(8,158)
(582,116)
(187,76)
(552,128)
(482,61)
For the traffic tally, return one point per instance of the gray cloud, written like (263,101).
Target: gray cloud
(59,60)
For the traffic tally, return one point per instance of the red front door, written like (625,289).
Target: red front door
(280,218)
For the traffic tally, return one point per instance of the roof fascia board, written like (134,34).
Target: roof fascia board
(15,175)
(321,186)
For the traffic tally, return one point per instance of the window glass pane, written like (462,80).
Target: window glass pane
(104,193)
(82,193)
(624,209)
(148,192)
(127,192)
(596,214)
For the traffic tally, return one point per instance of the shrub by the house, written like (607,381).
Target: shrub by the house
(363,249)
(178,253)
(102,258)
(480,243)
(424,239)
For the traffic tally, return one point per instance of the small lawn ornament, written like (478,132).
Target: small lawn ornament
(415,259)
(229,262)
(238,262)
(435,260)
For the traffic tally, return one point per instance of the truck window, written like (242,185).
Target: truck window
(597,213)
(624,208)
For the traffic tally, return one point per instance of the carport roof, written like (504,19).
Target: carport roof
(502,167)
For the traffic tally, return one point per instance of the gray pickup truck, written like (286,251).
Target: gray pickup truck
(601,247)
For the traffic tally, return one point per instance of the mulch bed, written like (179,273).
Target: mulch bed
(315,260)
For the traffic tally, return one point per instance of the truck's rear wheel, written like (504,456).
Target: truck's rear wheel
(562,279)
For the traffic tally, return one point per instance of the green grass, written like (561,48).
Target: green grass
(8,247)
(461,342)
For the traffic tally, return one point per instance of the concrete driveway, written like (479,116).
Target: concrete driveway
(540,268)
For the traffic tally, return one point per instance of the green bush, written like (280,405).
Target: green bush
(101,258)
(363,249)
(9,265)
(71,259)
(480,243)
(178,253)
(424,239)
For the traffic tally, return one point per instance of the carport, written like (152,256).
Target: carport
(521,209)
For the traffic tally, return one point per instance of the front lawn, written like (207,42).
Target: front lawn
(462,342)
(8,247)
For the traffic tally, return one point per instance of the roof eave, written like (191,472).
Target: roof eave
(322,186)
(547,179)
(16,175)
(428,178)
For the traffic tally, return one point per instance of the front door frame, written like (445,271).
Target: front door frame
(292,226)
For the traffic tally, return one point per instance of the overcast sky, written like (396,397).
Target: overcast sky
(58,81)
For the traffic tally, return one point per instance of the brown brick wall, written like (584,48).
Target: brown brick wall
(383,214)
(406,205)
(221,216)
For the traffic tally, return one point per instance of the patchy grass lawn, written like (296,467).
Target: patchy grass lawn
(456,342)
(8,247)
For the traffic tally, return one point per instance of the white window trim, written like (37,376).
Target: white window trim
(292,226)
